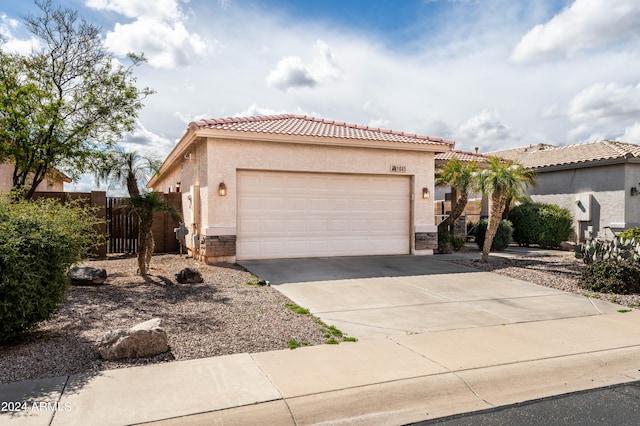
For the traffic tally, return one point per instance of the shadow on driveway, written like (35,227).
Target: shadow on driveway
(283,271)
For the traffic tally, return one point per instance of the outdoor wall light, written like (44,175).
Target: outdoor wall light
(634,191)
(425,193)
(222,189)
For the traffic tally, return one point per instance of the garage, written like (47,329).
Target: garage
(292,186)
(296,214)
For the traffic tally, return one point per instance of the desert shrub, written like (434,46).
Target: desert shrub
(502,239)
(543,224)
(457,243)
(445,241)
(611,277)
(629,234)
(39,241)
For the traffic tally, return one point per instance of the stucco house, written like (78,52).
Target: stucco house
(53,182)
(290,186)
(597,181)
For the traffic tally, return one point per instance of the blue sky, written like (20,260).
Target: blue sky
(491,74)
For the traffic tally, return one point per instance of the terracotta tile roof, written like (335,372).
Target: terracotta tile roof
(542,155)
(302,125)
(463,156)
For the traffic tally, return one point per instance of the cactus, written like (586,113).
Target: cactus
(617,250)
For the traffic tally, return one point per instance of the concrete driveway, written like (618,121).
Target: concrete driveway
(377,296)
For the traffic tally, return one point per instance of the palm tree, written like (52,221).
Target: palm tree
(129,169)
(460,178)
(501,181)
(144,206)
(126,169)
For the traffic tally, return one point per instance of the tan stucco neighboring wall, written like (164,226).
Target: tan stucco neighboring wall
(47,185)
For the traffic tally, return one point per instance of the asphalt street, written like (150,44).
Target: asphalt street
(612,405)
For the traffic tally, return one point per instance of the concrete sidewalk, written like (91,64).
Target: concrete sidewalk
(394,380)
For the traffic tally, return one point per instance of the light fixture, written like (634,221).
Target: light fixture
(634,191)
(425,193)
(177,186)
(222,189)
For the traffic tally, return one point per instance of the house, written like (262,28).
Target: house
(291,186)
(597,181)
(477,204)
(53,182)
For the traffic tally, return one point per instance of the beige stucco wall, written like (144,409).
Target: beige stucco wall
(47,185)
(227,156)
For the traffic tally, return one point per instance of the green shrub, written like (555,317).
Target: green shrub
(445,241)
(543,224)
(629,234)
(502,239)
(611,277)
(457,243)
(39,242)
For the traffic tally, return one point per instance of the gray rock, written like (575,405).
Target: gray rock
(87,275)
(189,276)
(567,246)
(142,340)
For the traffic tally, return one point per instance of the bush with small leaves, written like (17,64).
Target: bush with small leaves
(502,239)
(543,224)
(39,242)
(611,277)
(630,234)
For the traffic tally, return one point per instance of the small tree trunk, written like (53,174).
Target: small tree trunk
(498,203)
(145,242)
(149,250)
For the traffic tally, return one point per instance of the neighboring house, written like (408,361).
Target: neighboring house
(597,181)
(477,205)
(289,186)
(53,181)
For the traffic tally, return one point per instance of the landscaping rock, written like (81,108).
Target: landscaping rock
(567,246)
(142,340)
(189,276)
(86,275)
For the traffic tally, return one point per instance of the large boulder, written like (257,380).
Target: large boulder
(189,276)
(142,340)
(87,275)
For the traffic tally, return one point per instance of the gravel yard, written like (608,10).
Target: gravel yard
(224,315)
(221,316)
(560,271)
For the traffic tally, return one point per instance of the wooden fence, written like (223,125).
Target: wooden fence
(121,227)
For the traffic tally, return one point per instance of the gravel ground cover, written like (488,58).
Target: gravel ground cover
(221,316)
(560,271)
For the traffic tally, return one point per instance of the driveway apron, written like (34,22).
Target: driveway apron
(376,296)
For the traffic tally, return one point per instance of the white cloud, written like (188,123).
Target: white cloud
(486,131)
(603,102)
(157,9)
(158,29)
(585,25)
(255,111)
(379,123)
(12,44)
(291,72)
(631,134)
(147,142)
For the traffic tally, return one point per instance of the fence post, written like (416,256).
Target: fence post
(99,200)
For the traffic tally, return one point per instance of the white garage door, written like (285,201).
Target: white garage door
(284,215)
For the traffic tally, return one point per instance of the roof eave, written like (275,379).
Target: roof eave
(418,145)
(584,164)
